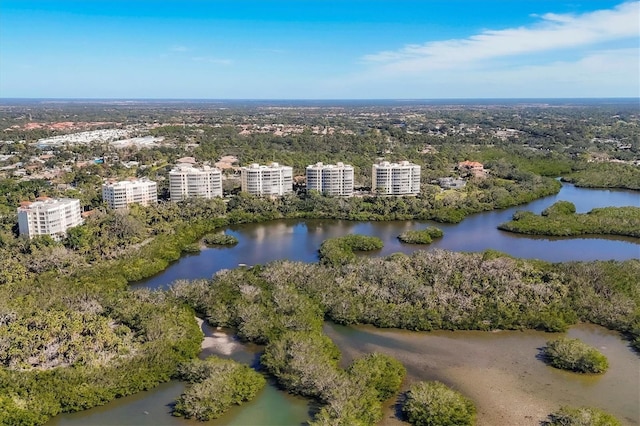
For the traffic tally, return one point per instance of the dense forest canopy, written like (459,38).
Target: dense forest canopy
(73,336)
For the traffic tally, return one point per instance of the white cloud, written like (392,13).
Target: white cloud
(275,51)
(179,48)
(554,32)
(212,60)
(597,73)
(606,73)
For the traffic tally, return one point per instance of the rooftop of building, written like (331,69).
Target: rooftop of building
(403,163)
(470,164)
(45,202)
(273,165)
(320,165)
(186,160)
(191,167)
(132,181)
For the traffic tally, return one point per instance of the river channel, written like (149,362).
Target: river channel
(498,370)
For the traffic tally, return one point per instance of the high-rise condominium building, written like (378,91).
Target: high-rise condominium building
(121,194)
(401,178)
(187,181)
(273,179)
(330,179)
(49,216)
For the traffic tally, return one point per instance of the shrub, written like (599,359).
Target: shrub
(424,236)
(561,220)
(219,385)
(349,403)
(559,208)
(435,404)
(380,372)
(584,416)
(340,251)
(220,240)
(522,214)
(191,248)
(574,355)
(304,363)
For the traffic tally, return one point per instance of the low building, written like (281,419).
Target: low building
(335,180)
(401,178)
(473,166)
(49,216)
(451,183)
(271,180)
(120,194)
(186,160)
(187,181)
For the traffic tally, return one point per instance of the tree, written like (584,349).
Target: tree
(434,404)
(573,355)
(584,416)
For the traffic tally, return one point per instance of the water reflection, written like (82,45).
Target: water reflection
(498,370)
(299,240)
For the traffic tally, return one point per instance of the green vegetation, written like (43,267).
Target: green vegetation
(422,291)
(434,404)
(574,355)
(72,336)
(57,338)
(265,306)
(217,385)
(606,175)
(220,240)
(560,219)
(559,208)
(585,416)
(307,364)
(505,187)
(152,333)
(128,246)
(134,340)
(380,372)
(191,248)
(423,236)
(340,250)
(302,362)
(283,305)
(355,398)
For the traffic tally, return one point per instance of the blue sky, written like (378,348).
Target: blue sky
(319,49)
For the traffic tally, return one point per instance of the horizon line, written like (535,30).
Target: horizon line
(311,99)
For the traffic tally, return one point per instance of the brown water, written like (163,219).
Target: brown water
(500,370)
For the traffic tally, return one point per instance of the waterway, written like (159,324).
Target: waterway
(498,370)
(300,239)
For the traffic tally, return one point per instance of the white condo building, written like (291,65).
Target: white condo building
(120,194)
(401,178)
(49,216)
(330,179)
(273,179)
(187,181)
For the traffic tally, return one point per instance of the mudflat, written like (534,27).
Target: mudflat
(500,370)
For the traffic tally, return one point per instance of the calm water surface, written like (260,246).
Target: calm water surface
(499,371)
(300,239)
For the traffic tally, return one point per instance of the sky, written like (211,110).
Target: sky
(319,49)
